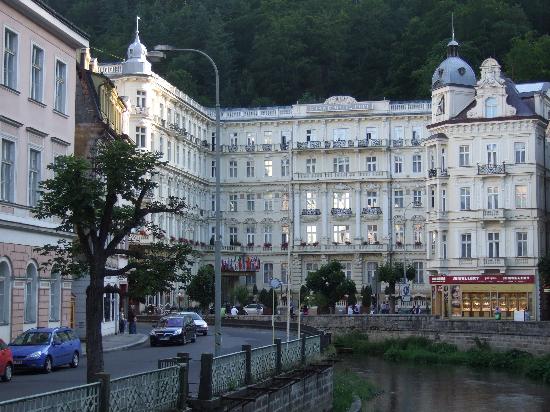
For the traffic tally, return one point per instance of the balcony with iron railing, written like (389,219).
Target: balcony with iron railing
(311,212)
(340,212)
(371,211)
(491,214)
(491,169)
(378,174)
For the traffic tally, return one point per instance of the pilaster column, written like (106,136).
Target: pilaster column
(297,213)
(325,236)
(358,213)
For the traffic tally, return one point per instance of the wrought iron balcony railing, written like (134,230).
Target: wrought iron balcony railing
(371,211)
(491,169)
(338,211)
(311,212)
(432,172)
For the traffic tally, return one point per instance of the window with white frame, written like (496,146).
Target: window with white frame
(285,167)
(250,138)
(416,133)
(398,133)
(493,244)
(284,201)
(346,267)
(268,272)
(418,234)
(521,242)
(5,290)
(250,235)
(372,267)
(284,234)
(398,231)
(140,136)
(398,164)
(521,196)
(250,168)
(37,73)
(31,294)
(372,234)
(311,165)
(285,135)
(444,244)
(55,297)
(234,139)
(268,137)
(213,166)
(466,245)
(34,176)
(250,202)
(268,168)
(341,164)
(11,50)
(311,134)
(284,273)
(398,198)
(161,147)
(340,233)
(340,134)
(417,163)
(371,163)
(268,202)
(60,101)
(341,200)
(268,235)
(372,198)
(233,169)
(417,197)
(418,272)
(492,197)
(443,200)
(311,234)
(311,267)
(7,171)
(311,200)
(464,155)
(233,203)
(233,235)
(465,198)
(169,151)
(492,154)
(519,150)
(490,107)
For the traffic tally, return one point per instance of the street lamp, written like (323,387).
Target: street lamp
(159,53)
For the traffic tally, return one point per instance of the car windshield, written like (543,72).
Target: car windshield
(32,338)
(195,316)
(170,323)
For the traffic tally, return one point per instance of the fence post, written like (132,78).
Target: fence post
(205,385)
(183,385)
(104,391)
(278,358)
(247,349)
(303,345)
(184,359)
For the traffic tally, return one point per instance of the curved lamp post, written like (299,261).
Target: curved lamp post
(159,53)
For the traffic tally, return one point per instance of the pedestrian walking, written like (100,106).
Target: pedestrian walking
(121,322)
(234,311)
(131,321)
(350,310)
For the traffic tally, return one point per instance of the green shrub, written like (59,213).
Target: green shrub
(347,385)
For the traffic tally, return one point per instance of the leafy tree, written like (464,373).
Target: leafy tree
(391,274)
(255,290)
(103,199)
(366,296)
(201,287)
(264,298)
(241,295)
(330,283)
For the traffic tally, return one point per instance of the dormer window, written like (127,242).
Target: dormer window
(441,106)
(490,107)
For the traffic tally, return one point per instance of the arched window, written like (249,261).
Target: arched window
(490,107)
(5,283)
(31,295)
(55,297)
(441,106)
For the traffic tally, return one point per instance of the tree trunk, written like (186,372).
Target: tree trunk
(94,317)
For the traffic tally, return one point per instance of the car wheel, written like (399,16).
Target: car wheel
(153,344)
(204,333)
(8,372)
(48,364)
(194,338)
(75,360)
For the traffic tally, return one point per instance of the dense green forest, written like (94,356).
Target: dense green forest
(283,51)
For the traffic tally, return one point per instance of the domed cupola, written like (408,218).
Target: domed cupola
(137,56)
(453,71)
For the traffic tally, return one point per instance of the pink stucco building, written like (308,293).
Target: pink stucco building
(38,59)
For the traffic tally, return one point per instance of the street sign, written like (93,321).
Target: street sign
(275,283)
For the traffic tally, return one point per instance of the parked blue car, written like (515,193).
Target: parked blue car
(46,348)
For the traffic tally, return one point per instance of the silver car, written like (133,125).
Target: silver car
(254,309)
(202,326)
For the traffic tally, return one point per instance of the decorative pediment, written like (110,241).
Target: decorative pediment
(341,186)
(418,218)
(266,221)
(250,221)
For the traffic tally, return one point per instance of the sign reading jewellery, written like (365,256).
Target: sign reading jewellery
(241,264)
(522,279)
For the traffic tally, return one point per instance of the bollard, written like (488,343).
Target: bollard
(205,385)
(104,391)
(248,364)
(183,385)
(278,358)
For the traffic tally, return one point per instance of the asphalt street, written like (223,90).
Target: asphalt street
(134,360)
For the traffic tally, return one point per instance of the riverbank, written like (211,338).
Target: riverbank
(349,386)
(425,351)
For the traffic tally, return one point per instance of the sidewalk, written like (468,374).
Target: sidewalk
(117,342)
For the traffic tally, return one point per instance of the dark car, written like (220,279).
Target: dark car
(46,348)
(173,329)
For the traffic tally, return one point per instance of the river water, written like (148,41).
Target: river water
(411,387)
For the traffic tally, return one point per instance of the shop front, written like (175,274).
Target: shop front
(482,296)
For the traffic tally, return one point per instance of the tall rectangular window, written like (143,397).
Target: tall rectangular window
(233,139)
(371,163)
(340,134)
(250,168)
(233,203)
(141,98)
(372,233)
(341,200)
(213,168)
(7,171)
(398,164)
(418,272)
(233,168)
(418,231)
(340,233)
(311,233)
(268,168)
(399,234)
(417,198)
(268,272)
(284,234)
(398,198)
(233,235)
(521,196)
(492,154)
(60,87)
(11,50)
(519,150)
(34,176)
(465,198)
(284,273)
(284,201)
(372,267)
(466,245)
(347,268)
(311,200)
(493,241)
(416,134)
(268,234)
(372,198)
(285,167)
(521,240)
(268,202)
(268,137)
(341,164)
(37,74)
(398,133)
(492,197)
(310,165)
(464,155)
(371,133)
(417,163)
(250,235)
(250,139)
(250,202)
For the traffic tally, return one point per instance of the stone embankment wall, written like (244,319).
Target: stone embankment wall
(533,337)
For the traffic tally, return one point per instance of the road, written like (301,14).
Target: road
(134,360)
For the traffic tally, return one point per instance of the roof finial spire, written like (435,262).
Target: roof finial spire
(452,24)
(137,24)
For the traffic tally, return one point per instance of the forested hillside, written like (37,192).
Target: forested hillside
(281,51)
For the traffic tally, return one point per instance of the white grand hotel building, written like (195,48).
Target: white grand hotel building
(454,185)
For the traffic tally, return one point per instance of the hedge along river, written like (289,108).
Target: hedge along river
(410,387)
